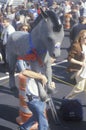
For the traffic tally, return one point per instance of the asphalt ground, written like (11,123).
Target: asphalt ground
(9,102)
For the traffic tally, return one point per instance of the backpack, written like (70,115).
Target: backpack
(71,110)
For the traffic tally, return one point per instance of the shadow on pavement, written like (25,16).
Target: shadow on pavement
(5,90)
(8,113)
(3,68)
(4,128)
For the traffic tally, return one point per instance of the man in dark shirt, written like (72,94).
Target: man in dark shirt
(78,27)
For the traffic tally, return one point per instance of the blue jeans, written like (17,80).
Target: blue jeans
(37,107)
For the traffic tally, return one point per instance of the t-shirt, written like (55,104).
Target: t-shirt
(31,87)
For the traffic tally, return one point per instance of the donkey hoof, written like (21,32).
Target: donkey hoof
(50,90)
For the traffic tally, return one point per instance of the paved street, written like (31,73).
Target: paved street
(9,103)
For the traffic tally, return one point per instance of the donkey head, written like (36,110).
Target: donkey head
(48,30)
(54,32)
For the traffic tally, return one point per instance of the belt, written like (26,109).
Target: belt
(31,97)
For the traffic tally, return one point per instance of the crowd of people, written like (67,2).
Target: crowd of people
(26,15)
(21,18)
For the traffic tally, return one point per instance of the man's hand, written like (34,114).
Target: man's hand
(52,60)
(52,85)
(51,88)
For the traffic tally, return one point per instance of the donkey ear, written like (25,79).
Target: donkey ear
(44,14)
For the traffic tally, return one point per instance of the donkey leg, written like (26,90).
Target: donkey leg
(12,80)
(12,64)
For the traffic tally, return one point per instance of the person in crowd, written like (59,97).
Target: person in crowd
(81,6)
(33,12)
(25,67)
(76,28)
(8,29)
(67,14)
(77,59)
(34,102)
(25,27)
(67,7)
(12,14)
(75,15)
(16,23)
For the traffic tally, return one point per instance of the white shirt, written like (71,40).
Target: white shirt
(31,87)
(83,73)
(67,8)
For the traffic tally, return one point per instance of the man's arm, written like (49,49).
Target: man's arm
(35,75)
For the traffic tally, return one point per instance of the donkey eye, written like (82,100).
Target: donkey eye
(57,28)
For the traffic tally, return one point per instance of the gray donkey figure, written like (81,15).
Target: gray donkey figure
(43,42)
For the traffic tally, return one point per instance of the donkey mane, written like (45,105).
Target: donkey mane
(55,19)
(52,16)
(37,20)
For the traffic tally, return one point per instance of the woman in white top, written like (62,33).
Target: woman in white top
(77,59)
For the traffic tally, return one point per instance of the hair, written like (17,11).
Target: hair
(6,19)
(25,25)
(81,33)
